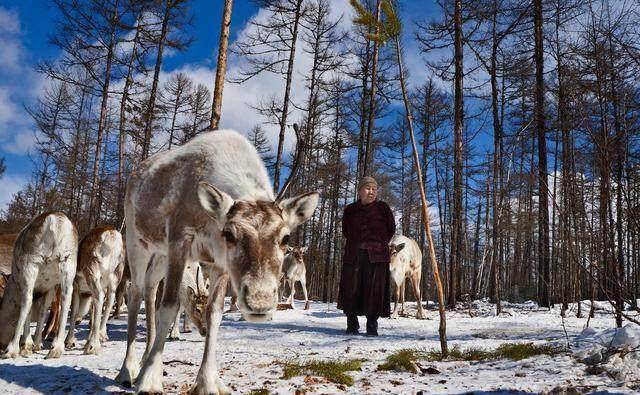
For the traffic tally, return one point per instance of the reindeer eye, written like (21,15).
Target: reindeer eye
(285,240)
(228,236)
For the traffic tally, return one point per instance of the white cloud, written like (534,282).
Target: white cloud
(20,84)
(7,107)
(20,142)
(9,21)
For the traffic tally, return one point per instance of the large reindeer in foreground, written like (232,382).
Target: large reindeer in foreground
(44,257)
(209,200)
(100,266)
(294,270)
(406,262)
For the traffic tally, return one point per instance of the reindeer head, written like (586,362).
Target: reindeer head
(197,296)
(394,249)
(255,235)
(297,253)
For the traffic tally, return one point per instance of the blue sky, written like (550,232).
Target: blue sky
(25,28)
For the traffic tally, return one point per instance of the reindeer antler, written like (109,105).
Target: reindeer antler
(198,279)
(296,163)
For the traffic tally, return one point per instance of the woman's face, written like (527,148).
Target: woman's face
(368,193)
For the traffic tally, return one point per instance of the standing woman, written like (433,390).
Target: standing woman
(368,225)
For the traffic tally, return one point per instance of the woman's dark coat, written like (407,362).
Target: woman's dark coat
(367,228)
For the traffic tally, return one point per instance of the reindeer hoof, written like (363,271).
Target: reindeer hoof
(37,346)
(70,344)
(54,353)
(306,305)
(10,354)
(126,377)
(104,337)
(207,387)
(92,349)
(25,352)
(27,348)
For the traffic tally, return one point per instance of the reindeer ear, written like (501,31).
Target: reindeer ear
(297,210)
(214,201)
(304,249)
(191,294)
(399,247)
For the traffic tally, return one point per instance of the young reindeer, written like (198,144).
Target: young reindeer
(100,266)
(44,257)
(293,270)
(406,262)
(193,302)
(192,299)
(209,200)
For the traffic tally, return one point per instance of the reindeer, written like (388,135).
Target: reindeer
(100,267)
(406,262)
(192,301)
(6,256)
(44,257)
(209,200)
(293,270)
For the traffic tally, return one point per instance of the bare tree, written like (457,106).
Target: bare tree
(221,65)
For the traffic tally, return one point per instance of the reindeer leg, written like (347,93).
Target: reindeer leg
(121,290)
(52,321)
(26,342)
(42,316)
(129,370)
(186,324)
(394,314)
(70,342)
(68,274)
(292,285)
(208,380)
(111,295)
(303,283)
(175,333)
(150,294)
(404,281)
(415,284)
(97,294)
(150,380)
(27,280)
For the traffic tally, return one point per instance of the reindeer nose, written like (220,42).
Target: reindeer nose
(259,299)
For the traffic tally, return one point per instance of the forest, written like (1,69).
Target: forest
(526,118)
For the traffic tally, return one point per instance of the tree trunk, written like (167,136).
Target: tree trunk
(368,155)
(543,205)
(95,178)
(456,226)
(221,66)
(150,110)
(287,94)
(425,214)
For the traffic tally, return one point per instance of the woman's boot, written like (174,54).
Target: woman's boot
(352,325)
(372,327)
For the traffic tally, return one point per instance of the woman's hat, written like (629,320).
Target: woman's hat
(365,181)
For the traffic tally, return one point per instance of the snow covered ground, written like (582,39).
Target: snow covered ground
(248,355)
